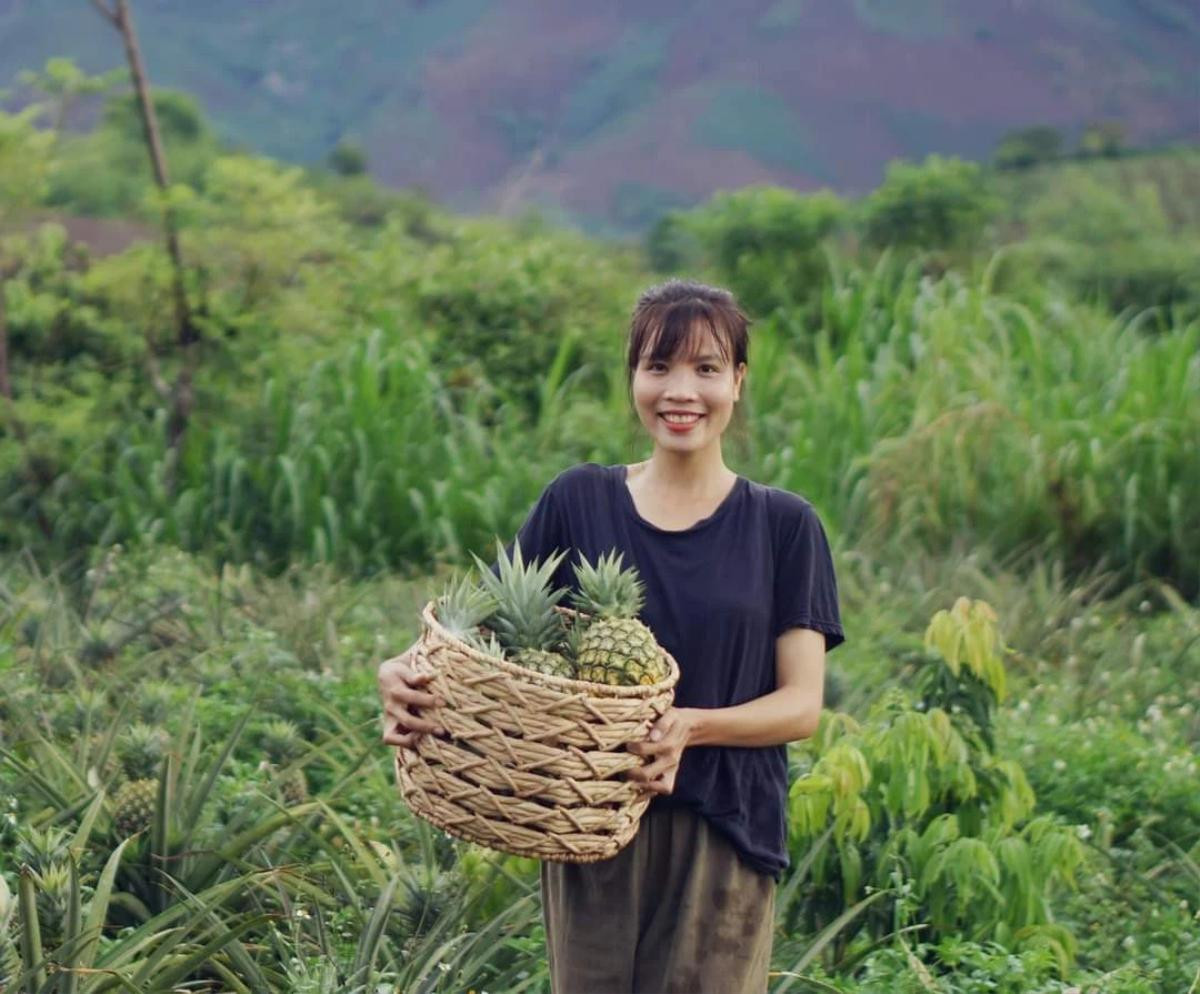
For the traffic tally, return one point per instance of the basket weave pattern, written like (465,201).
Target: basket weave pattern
(531,764)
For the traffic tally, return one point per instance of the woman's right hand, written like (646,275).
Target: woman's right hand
(400,691)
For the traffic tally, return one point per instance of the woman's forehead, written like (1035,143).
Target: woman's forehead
(700,340)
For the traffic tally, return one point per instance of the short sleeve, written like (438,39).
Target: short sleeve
(806,594)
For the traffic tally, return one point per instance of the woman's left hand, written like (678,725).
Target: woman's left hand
(664,745)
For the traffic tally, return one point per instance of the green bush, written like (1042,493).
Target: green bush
(765,243)
(920,809)
(941,204)
(497,308)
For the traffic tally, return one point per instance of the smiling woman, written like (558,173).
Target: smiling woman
(740,589)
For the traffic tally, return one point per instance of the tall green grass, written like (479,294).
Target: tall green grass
(921,413)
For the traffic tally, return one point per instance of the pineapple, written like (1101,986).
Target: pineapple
(135,803)
(283,744)
(615,648)
(525,621)
(141,751)
(549,663)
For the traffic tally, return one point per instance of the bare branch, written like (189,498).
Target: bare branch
(107,11)
(156,377)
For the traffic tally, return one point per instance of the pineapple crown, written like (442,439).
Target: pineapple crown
(606,590)
(489,645)
(154,701)
(525,615)
(140,749)
(41,849)
(464,605)
(281,740)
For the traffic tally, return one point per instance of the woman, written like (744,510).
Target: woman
(740,588)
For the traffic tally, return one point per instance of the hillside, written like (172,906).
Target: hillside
(613,112)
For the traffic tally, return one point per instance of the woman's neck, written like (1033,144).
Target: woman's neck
(688,474)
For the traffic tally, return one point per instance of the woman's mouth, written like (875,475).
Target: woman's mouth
(680,423)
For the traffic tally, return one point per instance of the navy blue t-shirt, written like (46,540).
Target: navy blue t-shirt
(717,596)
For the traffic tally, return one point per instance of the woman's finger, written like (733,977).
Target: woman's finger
(415,698)
(402,739)
(416,723)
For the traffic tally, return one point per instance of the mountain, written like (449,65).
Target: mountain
(614,110)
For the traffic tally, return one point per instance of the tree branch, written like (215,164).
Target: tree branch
(107,11)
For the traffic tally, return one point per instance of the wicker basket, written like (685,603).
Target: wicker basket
(531,764)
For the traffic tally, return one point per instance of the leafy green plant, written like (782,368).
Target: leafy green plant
(918,801)
(942,203)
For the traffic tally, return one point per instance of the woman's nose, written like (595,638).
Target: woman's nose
(680,384)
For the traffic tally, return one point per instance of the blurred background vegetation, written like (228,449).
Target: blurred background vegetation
(986,377)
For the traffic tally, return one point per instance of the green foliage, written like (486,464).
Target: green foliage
(917,800)
(224,882)
(766,243)
(256,232)
(498,308)
(1028,147)
(943,203)
(1119,246)
(1103,139)
(65,84)
(24,161)
(107,172)
(348,158)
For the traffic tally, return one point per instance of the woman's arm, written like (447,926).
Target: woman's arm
(789,712)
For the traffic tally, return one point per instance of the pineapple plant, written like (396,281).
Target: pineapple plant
(10,956)
(154,701)
(525,621)
(283,744)
(614,647)
(140,749)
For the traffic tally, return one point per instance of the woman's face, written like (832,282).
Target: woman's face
(685,402)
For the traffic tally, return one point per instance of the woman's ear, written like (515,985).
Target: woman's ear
(738,376)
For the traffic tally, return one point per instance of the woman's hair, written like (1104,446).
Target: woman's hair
(666,315)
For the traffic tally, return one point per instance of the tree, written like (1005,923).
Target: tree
(1102,139)
(1028,147)
(943,203)
(348,159)
(180,397)
(65,84)
(24,162)
(766,242)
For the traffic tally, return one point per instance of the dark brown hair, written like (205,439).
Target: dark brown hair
(667,314)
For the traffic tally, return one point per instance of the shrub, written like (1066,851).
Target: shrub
(943,203)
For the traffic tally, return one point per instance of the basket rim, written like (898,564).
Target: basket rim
(557,682)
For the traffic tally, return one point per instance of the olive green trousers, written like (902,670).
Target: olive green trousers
(675,912)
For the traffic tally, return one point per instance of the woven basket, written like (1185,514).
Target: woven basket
(531,764)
